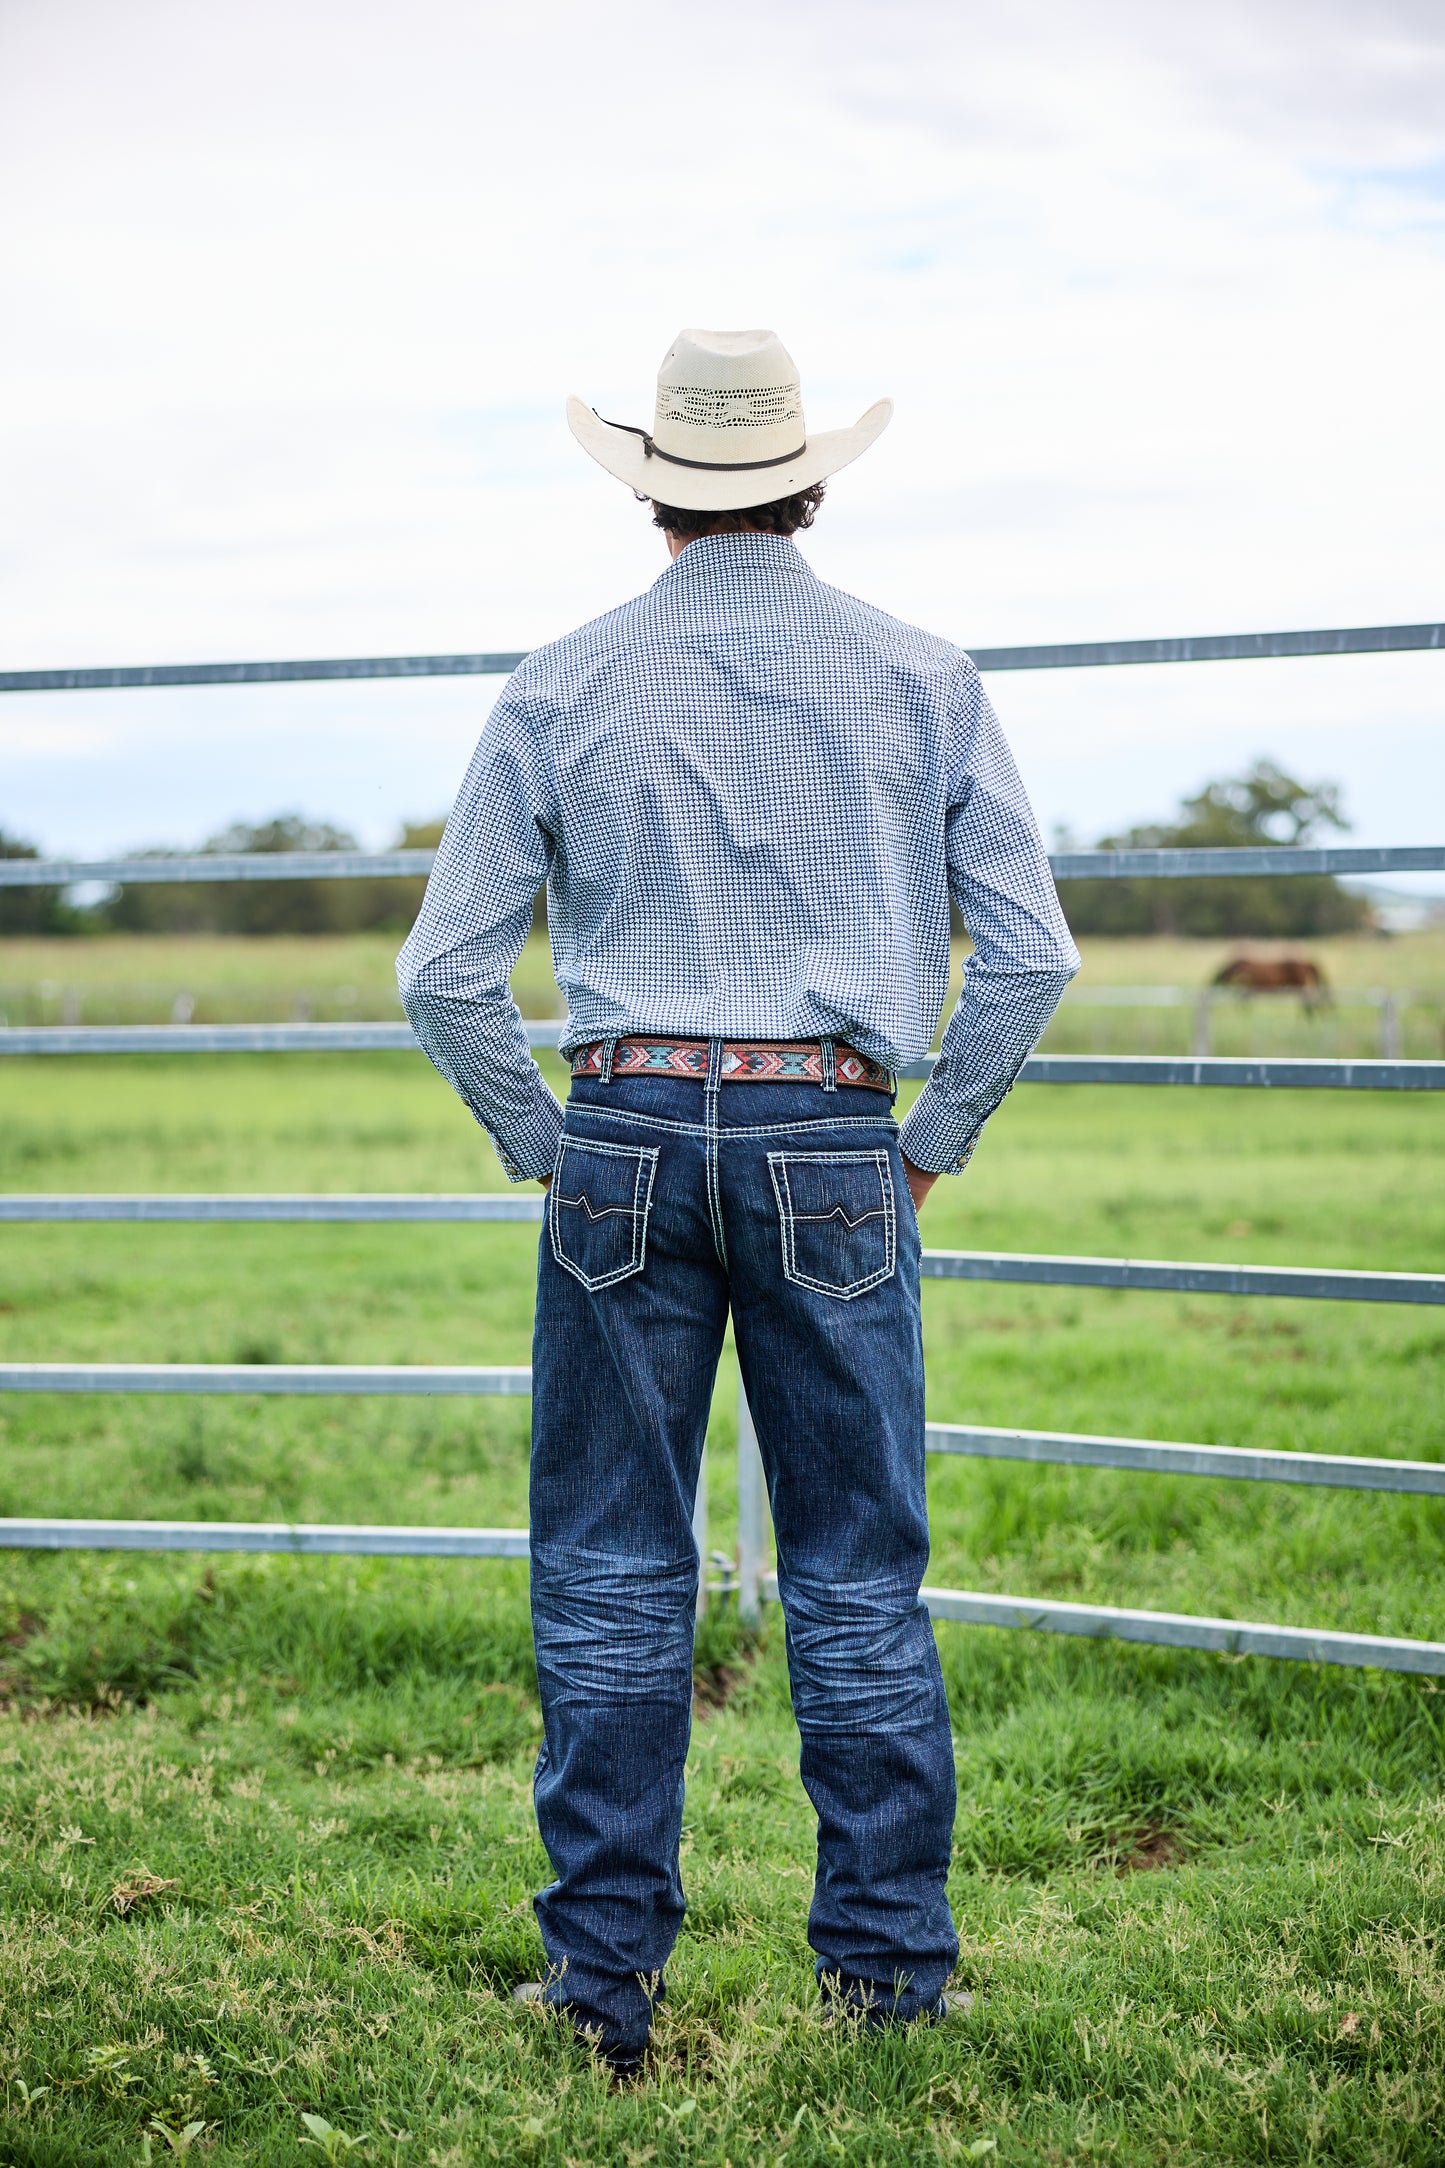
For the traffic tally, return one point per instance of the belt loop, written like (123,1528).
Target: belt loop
(714,1064)
(830,1065)
(609,1048)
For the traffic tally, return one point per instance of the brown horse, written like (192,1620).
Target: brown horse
(1276,975)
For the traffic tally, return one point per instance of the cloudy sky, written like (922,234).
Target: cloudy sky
(295,291)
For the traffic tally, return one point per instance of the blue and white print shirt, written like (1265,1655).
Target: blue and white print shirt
(751,797)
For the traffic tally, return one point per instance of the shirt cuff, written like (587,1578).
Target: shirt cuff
(932,1137)
(528,1146)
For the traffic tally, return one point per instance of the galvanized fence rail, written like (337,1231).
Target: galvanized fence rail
(217,866)
(753,1581)
(1392,1005)
(749,1572)
(748,1575)
(1225,1071)
(306,1208)
(411,1380)
(1307,1282)
(1222,862)
(1310,1283)
(1152,1456)
(1178,1630)
(1072,655)
(303,1537)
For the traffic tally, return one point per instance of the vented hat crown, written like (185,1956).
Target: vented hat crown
(728,428)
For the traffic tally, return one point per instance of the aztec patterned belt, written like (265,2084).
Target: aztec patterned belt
(744,1061)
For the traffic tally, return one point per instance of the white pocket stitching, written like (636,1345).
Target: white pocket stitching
(778,1169)
(645,1156)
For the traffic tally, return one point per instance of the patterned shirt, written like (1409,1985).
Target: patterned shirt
(750,797)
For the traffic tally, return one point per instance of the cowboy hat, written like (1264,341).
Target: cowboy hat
(729,428)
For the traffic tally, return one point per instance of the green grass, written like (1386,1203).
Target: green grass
(1201,1900)
(137,978)
(232,978)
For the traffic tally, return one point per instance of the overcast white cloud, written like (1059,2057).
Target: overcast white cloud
(295,291)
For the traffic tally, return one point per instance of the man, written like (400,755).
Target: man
(750,797)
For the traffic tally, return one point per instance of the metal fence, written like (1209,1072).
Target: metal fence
(75,1004)
(748,1573)
(1073,655)
(1239,1072)
(1224,863)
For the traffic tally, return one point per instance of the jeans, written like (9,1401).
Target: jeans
(674,1201)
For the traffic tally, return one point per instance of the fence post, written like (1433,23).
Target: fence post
(699,1532)
(1390,1033)
(1202,1002)
(752,1515)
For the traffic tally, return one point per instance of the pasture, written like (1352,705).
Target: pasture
(134,979)
(266,1849)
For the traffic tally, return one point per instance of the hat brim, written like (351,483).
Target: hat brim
(721,489)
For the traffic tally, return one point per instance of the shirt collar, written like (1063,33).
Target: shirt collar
(715,556)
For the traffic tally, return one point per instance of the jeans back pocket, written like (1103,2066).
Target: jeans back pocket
(597,1209)
(839,1219)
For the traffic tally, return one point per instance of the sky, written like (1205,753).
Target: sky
(295,290)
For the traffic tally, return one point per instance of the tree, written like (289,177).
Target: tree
(253,907)
(1262,807)
(33,910)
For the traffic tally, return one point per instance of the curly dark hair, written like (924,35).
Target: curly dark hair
(785,515)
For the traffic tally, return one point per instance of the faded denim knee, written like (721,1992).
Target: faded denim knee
(861,1655)
(611,1628)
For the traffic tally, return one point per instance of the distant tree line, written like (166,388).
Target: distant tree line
(218,907)
(265,907)
(1264,806)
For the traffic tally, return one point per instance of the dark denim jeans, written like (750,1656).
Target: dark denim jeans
(672,1202)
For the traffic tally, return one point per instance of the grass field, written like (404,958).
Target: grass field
(266,1848)
(139,979)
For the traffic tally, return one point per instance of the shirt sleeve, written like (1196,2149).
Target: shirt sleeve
(1023,954)
(453,973)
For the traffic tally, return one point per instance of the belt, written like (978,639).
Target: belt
(744,1061)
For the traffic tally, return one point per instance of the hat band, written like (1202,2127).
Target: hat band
(708,466)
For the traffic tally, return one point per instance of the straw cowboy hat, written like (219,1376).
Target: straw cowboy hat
(729,429)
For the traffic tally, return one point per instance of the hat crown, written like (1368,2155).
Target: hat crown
(729,398)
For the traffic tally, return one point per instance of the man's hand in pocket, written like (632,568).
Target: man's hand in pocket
(919,1183)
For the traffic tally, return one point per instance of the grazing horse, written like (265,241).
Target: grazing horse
(1276,975)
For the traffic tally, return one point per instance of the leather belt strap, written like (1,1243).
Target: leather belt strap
(744,1061)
